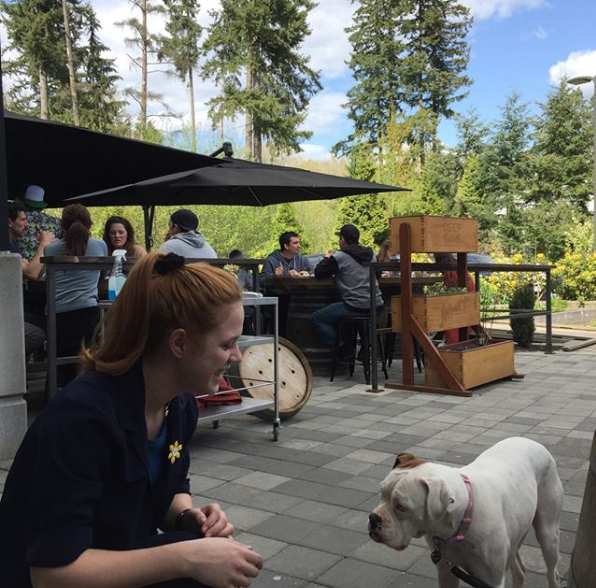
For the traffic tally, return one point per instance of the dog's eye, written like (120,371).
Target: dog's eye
(400,507)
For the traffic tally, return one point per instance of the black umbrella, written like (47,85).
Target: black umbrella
(67,160)
(234,182)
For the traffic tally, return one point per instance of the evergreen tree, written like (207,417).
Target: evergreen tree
(181,47)
(407,56)
(504,173)
(397,160)
(367,212)
(378,95)
(101,109)
(36,29)
(562,154)
(260,40)
(472,136)
(436,55)
(437,184)
(284,219)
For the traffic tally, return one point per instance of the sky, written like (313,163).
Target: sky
(522,46)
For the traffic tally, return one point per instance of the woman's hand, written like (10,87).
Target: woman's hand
(210,520)
(221,563)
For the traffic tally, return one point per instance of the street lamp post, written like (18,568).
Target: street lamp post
(578,81)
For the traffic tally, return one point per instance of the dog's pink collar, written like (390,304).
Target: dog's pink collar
(465,523)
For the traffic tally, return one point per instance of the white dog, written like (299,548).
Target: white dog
(475,517)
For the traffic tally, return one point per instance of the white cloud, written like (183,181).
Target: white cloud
(328,44)
(578,63)
(325,112)
(316,152)
(500,9)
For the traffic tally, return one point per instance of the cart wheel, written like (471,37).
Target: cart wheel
(215,424)
(275,431)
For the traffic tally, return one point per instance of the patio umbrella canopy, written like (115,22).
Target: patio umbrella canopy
(67,160)
(234,182)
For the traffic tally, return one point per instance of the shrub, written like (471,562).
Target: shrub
(523,327)
(575,277)
(504,284)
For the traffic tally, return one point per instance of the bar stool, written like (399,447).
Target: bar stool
(390,347)
(354,331)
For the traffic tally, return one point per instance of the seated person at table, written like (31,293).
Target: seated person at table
(352,279)
(38,222)
(32,269)
(77,296)
(450,279)
(385,255)
(106,464)
(118,233)
(183,239)
(284,262)
(245,274)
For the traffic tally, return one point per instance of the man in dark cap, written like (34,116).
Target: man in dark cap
(183,238)
(352,280)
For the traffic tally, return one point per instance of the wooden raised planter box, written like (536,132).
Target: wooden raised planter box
(473,364)
(436,234)
(439,312)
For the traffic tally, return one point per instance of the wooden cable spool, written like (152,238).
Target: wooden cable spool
(295,377)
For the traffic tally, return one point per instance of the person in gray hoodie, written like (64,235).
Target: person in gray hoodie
(184,239)
(352,279)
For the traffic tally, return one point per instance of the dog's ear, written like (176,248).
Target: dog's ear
(438,498)
(407,460)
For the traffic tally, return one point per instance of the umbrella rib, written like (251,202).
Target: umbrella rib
(255,196)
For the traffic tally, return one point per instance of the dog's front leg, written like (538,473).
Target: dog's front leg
(445,577)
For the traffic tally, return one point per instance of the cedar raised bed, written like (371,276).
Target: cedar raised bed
(439,312)
(436,234)
(474,364)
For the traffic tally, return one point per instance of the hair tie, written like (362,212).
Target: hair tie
(170,262)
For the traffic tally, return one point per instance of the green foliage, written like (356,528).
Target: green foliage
(38,64)
(504,284)
(368,213)
(261,41)
(437,183)
(556,304)
(284,219)
(523,327)
(439,289)
(575,277)
(561,157)
(407,57)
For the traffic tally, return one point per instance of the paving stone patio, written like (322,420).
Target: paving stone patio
(302,502)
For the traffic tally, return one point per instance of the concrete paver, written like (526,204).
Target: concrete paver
(303,502)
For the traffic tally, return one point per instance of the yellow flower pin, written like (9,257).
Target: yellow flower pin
(175,451)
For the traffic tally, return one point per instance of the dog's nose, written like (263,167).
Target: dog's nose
(375,521)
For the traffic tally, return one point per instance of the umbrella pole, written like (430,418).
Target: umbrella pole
(148,216)
(3,184)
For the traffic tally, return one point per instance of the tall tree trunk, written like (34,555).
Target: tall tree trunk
(248,128)
(256,133)
(193,126)
(144,52)
(71,68)
(44,103)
